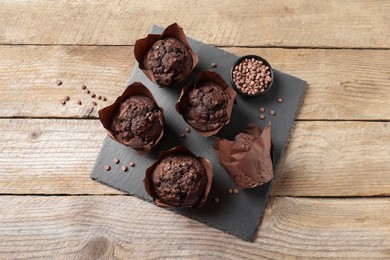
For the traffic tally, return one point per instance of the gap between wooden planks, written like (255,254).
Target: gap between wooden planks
(302,23)
(56,156)
(343,84)
(101,227)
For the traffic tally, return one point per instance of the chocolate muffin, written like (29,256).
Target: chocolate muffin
(169,60)
(179,180)
(136,122)
(204,106)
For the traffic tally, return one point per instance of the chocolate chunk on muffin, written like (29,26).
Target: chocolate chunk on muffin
(136,122)
(204,106)
(179,180)
(169,60)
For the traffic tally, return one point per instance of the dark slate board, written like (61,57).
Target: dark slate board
(239,214)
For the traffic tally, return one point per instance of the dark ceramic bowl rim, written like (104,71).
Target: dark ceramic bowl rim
(257,58)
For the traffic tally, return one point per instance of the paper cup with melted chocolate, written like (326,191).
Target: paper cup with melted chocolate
(179,179)
(207,103)
(166,59)
(134,119)
(248,158)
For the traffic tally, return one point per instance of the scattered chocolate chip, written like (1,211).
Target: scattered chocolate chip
(58,82)
(236,191)
(216,200)
(230,191)
(187,130)
(261,110)
(251,76)
(251,125)
(87,91)
(107,167)
(124,168)
(262,117)
(183,136)
(132,164)
(280,100)
(67,98)
(99,97)
(104,98)
(116,160)
(94,103)
(93,95)
(272,113)
(213,65)
(78,102)
(63,102)
(83,87)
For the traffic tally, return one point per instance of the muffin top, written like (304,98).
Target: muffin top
(169,60)
(137,121)
(179,180)
(204,106)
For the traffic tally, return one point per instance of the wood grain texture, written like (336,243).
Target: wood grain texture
(122,227)
(336,159)
(41,156)
(343,84)
(331,23)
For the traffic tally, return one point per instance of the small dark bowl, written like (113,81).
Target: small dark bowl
(257,58)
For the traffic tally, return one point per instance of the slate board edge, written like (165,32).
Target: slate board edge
(281,159)
(249,238)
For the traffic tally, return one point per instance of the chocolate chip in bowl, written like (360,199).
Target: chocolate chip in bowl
(252,75)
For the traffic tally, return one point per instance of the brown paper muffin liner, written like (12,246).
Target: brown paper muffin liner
(148,182)
(142,46)
(207,75)
(106,115)
(248,159)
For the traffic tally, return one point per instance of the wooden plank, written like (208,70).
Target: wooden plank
(343,84)
(106,227)
(42,156)
(337,158)
(331,23)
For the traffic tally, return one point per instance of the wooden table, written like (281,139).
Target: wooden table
(330,198)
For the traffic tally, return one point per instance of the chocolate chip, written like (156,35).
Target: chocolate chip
(63,102)
(107,167)
(236,191)
(262,117)
(94,103)
(78,102)
(104,98)
(83,87)
(213,65)
(116,160)
(280,100)
(58,82)
(261,110)
(187,130)
(272,113)
(124,168)
(251,76)
(132,164)
(87,91)
(93,95)
(67,98)
(183,136)
(216,200)
(251,125)
(99,97)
